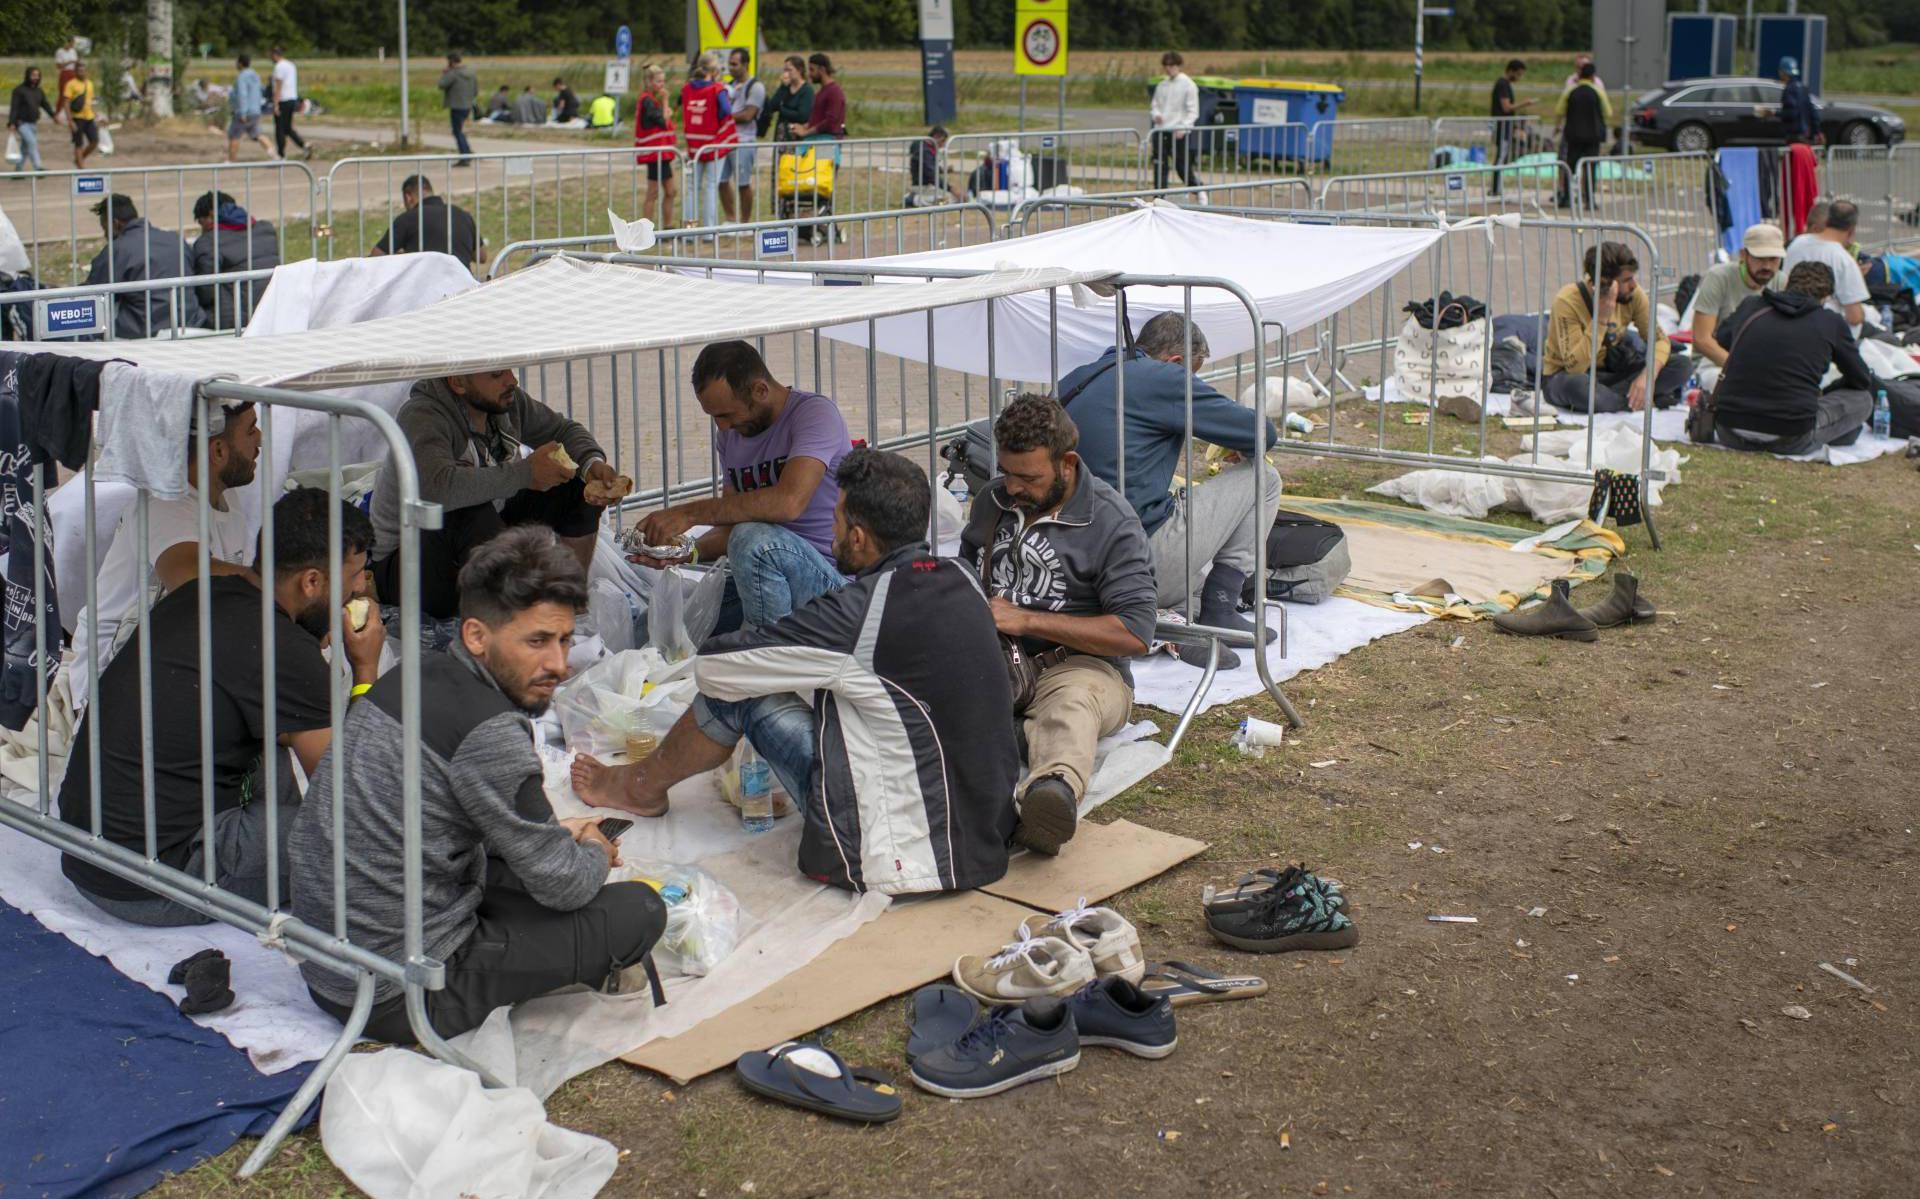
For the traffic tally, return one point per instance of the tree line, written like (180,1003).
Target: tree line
(586,26)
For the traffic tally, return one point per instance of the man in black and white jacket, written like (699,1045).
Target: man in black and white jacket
(905,750)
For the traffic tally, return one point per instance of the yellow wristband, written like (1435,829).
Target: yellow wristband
(360,689)
(694,558)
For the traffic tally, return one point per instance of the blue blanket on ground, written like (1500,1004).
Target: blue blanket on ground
(105,1088)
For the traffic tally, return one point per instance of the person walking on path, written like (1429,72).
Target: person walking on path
(459,89)
(1506,117)
(23,117)
(76,103)
(65,61)
(1584,117)
(286,102)
(244,105)
(1176,110)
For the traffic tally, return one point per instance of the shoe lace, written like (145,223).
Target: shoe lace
(988,1031)
(1025,947)
(1067,919)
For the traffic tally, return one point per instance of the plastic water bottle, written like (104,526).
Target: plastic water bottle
(959,490)
(756,792)
(1882,414)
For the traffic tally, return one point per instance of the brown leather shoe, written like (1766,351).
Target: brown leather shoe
(1554,618)
(1624,606)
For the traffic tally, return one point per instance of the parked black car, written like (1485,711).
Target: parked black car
(1705,113)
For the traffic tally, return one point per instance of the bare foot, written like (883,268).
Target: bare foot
(602,786)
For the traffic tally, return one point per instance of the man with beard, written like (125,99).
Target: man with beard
(172,553)
(236,840)
(779,447)
(883,706)
(516,902)
(1070,571)
(1730,284)
(492,457)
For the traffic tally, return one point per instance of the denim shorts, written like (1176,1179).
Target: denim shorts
(738,166)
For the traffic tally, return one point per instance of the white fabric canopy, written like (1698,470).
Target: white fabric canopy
(1298,274)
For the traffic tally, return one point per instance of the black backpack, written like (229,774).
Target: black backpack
(1306,559)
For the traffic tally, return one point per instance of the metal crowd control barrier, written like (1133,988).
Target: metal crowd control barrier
(1903,168)
(1287,193)
(1229,154)
(867,234)
(269,920)
(1499,140)
(1455,192)
(159,304)
(1093,160)
(1665,194)
(53,210)
(1864,174)
(1372,145)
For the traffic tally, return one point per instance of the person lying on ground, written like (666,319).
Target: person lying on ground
(431,225)
(884,704)
(172,556)
(516,902)
(467,434)
(1157,375)
(136,252)
(237,841)
(230,240)
(1769,396)
(1833,247)
(778,447)
(1609,296)
(1070,573)
(1725,287)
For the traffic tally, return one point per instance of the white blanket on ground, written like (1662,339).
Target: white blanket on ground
(1670,425)
(1316,635)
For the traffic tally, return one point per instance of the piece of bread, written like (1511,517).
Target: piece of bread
(602,493)
(358,612)
(565,459)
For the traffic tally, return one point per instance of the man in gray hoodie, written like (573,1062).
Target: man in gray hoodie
(467,433)
(459,88)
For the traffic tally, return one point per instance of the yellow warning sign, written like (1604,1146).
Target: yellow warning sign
(1040,37)
(730,24)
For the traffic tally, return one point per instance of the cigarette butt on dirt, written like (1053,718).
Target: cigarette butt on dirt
(1453,919)
(1286,1142)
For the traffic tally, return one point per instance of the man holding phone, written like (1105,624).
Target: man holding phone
(1613,364)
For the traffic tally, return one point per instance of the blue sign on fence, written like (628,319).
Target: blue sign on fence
(623,43)
(774,242)
(1456,183)
(89,185)
(85,316)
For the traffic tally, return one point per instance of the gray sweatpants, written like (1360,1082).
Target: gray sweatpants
(1841,412)
(239,865)
(1220,513)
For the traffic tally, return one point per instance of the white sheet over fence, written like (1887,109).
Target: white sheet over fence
(1297,274)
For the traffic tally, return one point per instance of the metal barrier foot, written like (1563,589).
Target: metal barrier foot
(1199,693)
(316,1081)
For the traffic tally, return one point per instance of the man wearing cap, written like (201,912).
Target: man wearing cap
(137,252)
(1727,286)
(1798,120)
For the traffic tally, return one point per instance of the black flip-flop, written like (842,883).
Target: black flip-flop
(942,1014)
(853,1093)
(1184,983)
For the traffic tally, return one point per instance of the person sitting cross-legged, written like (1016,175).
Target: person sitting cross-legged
(884,703)
(1216,520)
(1615,371)
(1769,395)
(516,902)
(1070,573)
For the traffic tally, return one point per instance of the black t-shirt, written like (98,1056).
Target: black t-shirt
(404,236)
(1502,90)
(239,725)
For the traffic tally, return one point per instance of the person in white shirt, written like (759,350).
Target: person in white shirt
(1830,245)
(173,540)
(1176,110)
(749,97)
(286,102)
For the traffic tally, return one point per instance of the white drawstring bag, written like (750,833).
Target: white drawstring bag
(1433,364)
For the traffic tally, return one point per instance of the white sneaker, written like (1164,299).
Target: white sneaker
(1104,935)
(1027,969)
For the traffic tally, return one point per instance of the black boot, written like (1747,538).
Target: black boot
(1624,606)
(1554,618)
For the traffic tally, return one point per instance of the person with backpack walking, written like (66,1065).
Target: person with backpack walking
(653,137)
(1584,116)
(706,114)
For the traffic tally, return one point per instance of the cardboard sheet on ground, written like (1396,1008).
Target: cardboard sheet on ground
(1402,560)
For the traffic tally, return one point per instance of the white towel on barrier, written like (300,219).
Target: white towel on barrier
(146,417)
(1316,635)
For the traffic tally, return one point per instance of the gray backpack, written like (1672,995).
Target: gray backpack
(1306,559)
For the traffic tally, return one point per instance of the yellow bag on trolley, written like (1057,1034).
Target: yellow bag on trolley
(804,175)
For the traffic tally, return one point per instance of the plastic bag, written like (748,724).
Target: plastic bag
(622,704)
(614,613)
(683,609)
(704,918)
(14,153)
(106,140)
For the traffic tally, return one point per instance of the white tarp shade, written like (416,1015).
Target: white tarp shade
(559,310)
(1298,274)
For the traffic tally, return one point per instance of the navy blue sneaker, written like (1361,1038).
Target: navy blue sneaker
(1012,1045)
(1115,1013)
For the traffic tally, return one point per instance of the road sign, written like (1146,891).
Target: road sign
(85,316)
(730,25)
(938,102)
(1437,12)
(89,185)
(615,84)
(1040,37)
(623,43)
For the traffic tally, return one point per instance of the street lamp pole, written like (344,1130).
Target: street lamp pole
(406,130)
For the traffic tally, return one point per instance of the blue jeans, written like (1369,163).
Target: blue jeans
(775,570)
(29,145)
(704,196)
(779,727)
(459,118)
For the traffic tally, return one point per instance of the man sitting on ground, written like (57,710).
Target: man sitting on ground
(1070,574)
(529,109)
(172,556)
(566,105)
(1769,396)
(302,719)
(1724,288)
(430,224)
(517,902)
(1219,515)
(903,748)
(926,172)
(136,252)
(1569,364)
(466,433)
(231,241)
(1831,246)
(779,448)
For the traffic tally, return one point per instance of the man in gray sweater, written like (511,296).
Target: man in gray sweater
(467,433)
(459,88)
(515,903)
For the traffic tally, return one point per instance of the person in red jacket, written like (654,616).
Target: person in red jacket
(707,113)
(653,136)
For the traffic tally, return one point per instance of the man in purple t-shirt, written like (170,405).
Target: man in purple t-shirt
(778,447)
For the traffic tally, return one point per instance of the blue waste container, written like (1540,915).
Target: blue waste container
(1288,102)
